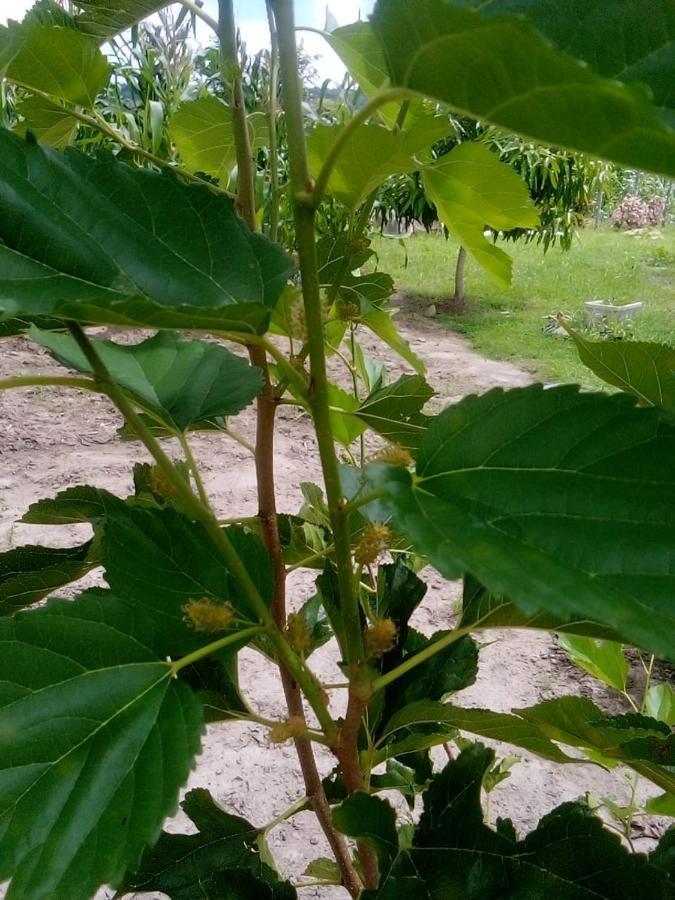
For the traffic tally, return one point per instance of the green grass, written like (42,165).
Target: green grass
(506,323)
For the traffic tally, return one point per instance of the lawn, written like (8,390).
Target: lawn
(506,323)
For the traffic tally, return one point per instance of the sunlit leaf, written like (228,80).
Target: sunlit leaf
(47,121)
(203,134)
(382,324)
(644,369)
(371,154)
(504,71)
(59,61)
(472,189)
(604,660)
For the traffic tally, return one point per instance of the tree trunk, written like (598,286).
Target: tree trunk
(667,200)
(459,277)
(597,216)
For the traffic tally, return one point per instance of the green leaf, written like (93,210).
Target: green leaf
(69,507)
(59,61)
(560,500)
(484,722)
(46,121)
(616,38)
(394,411)
(202,132)
(361,52)
(301,539)
(382,324)
(399,777)
(663,805)
(105,18)
(644,369)
(502,70)
(97,737)
(13,327)
(163,558)
(471,188)
(399,593)
(371,820)
(451,669)
(664,855)
(324,869)
(338,259)
(345,425)
(314,615)
(27,574)
(660,703)
(72,227)
(185,384)
(185,866)
(483,609)
(570,854)
(371,155)
(604,660)
(638,741)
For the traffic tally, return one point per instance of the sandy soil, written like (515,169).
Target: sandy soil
(52,439)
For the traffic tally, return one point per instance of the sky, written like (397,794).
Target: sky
(252,21)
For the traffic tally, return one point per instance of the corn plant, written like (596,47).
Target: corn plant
(554,506)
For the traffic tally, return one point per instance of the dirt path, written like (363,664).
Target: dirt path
(52,439)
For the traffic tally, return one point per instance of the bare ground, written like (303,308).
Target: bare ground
(52,439)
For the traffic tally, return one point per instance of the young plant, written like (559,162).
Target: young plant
(554,506)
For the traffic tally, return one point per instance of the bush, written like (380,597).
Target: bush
(634,212)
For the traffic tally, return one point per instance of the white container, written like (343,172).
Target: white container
(600,309)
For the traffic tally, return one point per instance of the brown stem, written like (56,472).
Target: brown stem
(347,753)
(316,793)
(264,460)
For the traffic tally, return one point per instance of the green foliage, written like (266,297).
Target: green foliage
(71,65)
(472,189)
(455,854)
(183,385)
(220,860)
(465,513)
(554,505)
(432,47)
(395,411)
(90,712)
(644,369)
(27,574)
(604,660)
(202,131)
(633,48)
(77,257)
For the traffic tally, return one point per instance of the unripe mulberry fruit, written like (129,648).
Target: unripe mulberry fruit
(394,455)
(207,615)
(298,634)
(347,311)
(160,484)
(381,637)
(372,543)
